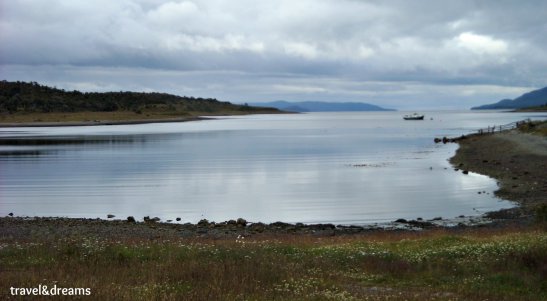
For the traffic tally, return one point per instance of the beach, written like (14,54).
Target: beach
(120,259)
(96,122)
(516,159)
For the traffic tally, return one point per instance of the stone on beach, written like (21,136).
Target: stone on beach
(241,222)
(203,222)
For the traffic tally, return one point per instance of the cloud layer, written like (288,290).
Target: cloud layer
(402,54)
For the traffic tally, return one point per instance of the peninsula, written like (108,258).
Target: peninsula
(32,104)
(531,101)
(320,106)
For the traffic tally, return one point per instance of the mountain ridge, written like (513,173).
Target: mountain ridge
(320,106)
(530,99)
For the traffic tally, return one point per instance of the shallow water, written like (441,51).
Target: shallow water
(348,168)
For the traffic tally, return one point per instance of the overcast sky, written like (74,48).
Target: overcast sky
(397,54)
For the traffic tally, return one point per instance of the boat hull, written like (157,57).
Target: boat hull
(414,118)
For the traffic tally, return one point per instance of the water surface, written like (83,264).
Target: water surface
(348,168)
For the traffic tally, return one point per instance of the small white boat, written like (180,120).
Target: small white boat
(414,116)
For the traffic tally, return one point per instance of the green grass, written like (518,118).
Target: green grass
(438,266)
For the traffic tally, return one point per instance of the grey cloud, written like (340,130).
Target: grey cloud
(266,50)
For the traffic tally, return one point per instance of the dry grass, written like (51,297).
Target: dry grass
(492,264)
(536,128)
(82,116)
(107,116)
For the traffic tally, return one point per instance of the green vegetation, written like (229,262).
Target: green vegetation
(436,265)
(536,128)
(533,109)
(31,102)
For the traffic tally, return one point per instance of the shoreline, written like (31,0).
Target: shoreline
(518,169)
(100,122)
(108,120)
(22,227)
(516,159)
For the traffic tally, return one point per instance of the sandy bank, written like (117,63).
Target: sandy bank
(98,122)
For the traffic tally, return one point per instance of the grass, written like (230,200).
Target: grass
(536,128)
(435,265)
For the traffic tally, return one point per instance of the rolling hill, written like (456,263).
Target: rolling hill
(22,97)
(318,106)
(531,99)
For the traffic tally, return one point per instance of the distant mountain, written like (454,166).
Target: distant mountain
(318,106)
(530,99)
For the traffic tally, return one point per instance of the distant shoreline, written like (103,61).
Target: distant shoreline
(127,121)
(532,110)
(99,122)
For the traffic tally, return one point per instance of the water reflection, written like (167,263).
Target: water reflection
(55,140)
(339,168)
(19,153)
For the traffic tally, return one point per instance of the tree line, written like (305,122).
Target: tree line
(32,97)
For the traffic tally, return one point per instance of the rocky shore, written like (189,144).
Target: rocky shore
(517,159)
(40,228)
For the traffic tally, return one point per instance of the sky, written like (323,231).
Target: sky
(397,54)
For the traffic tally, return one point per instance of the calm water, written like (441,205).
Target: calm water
(349,168)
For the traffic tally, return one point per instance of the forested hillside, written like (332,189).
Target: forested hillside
(22,97)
